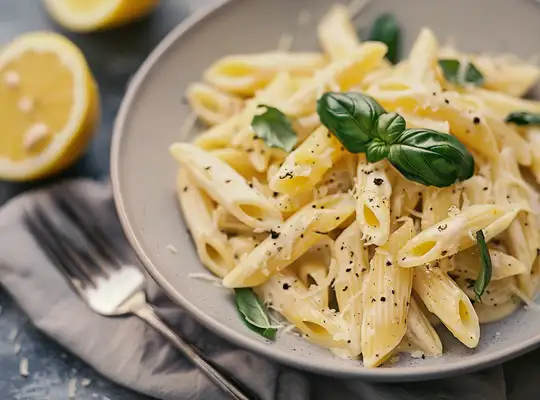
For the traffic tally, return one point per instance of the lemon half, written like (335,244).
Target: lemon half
(90,15)
(49,106)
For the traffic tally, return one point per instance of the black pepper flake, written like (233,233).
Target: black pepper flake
(393,291)
(322,207)
(373,300)
(302,236)
(441,228)
(476,120)
(228,181)
(287,174)
(345,288)
(447,101)
(274,234)
(328,135)
(250,185)
(250,150)
(383,299)
(275,194)
(364,270)
(356,273)
(485,188)
(286,286)
(378,181)
(348,270)
(185,189)
(342,247)
(388,263)
(430,208)
(313,206)
(423,356)
(348,341)
(279,249)
(337,218)
(443,253)
(395,305)
(208,168)
(350,262)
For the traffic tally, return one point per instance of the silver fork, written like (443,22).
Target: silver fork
(110,287)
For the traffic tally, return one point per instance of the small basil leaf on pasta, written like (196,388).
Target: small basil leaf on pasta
(351,117)
(460,73)
(376,151)
(523,118)
(386,29)
(275,129)
(254,313)
(484,275)
(389,127)
(431,158)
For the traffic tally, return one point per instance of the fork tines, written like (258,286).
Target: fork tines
(72,239)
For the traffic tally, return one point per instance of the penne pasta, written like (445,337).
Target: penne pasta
(420,333)
(454,234)
(294,238)
(386,299)
(353,264)
(211,105)
(337,35)
(211,244)
(227,187)
(246,74)
(372,194)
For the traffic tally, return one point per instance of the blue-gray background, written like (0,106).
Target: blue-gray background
(114,56)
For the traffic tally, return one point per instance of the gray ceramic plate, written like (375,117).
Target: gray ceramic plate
(152,113)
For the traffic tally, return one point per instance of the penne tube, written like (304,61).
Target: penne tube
(468,264)
(211,105)
(487,314)
(239,161)
(340,75)
(353,265)
(289,296)
(307,165)
(455,234)
(225,186)
(337,34)
(211,244)
(295,237)
(372,193)
(447,301)
(246,74)
(420,333)
(385,300)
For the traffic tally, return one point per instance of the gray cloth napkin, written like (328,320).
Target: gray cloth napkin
(131,353)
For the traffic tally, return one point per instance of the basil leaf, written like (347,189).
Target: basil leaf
(275,129)
(377,150)
(254,312)
(523,118)
(390,126)
(431,158)
(484,275)
(455,73)
(351,117)
(386,29)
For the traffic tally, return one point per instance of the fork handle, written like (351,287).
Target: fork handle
(215,373)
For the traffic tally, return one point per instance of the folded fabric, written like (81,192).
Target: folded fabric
(131,353)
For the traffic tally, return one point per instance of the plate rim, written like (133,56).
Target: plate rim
(391,374)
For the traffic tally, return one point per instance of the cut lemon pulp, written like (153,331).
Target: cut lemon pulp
(49,106)
(90,15)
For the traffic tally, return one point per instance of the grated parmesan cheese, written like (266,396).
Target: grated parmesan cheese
(26,104)
(285,42)
(23,367)
(417,354)
(172,249)
(206,277)
(72,388)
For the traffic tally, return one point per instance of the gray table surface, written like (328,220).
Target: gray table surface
(113,56)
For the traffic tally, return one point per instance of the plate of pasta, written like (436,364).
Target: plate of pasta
(347,187)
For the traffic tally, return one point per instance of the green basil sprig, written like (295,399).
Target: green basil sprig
(386,29)
(484,275)
(452,70)
(275,129)
(523,118)
(421,155)
(254,313)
